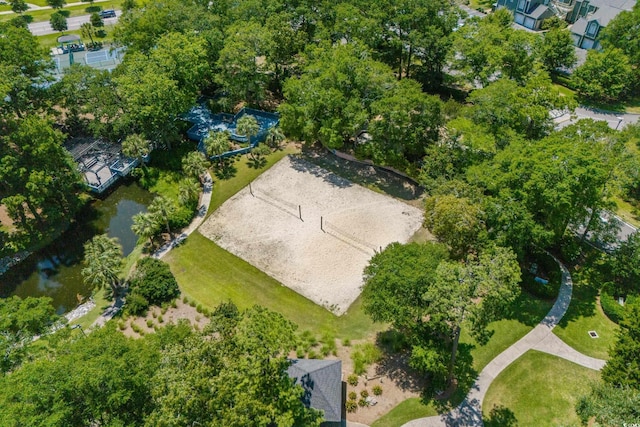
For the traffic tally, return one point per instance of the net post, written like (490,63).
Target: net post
(251,190)
(300,213)
(321,228)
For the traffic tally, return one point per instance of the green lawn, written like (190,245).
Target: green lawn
(584,315)
(210,275)
(625,210)
(539,390)
(528,311)
(565,91)
(406,411)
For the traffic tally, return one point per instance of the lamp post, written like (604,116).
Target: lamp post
(79,327)
(620,119)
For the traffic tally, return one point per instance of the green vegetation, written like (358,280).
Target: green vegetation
(526,312)
(227,277)
(406,411)
(584,315)
(539,390)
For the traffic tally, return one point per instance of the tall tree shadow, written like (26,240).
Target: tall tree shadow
(501,416)
(226,170)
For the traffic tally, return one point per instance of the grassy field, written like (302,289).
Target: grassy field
(584,314)
(226,277)
(528,311)
(406,411)
(538,390)
(625,210)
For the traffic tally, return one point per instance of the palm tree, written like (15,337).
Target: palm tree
(135,146)
(216,143)
(195,165)
(247,126)
(189,190)
(103,261)
(274,136)
(163,208)
(145,225)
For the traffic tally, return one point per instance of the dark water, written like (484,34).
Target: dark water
(55,270)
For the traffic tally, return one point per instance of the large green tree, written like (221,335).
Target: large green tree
(331,100)
(426,296)
(556,50)
(605,76)
(103,379)
(233,375)
(21,320)
(405,121)
(608,405)
(623,367)
(561,180)
(40,183)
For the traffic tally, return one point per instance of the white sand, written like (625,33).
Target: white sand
(326,267)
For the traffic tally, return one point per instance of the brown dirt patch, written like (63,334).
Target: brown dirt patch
(5,220)
(170,316)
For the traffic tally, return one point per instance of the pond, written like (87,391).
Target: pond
(55,271)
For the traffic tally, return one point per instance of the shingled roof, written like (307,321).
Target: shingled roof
(322,382)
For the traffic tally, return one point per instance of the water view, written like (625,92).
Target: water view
(55,270)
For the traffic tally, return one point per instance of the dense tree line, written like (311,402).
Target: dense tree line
(233,373)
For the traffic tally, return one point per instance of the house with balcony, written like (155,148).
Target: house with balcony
(589,17)
(528,13)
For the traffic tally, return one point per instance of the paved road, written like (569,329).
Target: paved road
(469,412)
(614,120)
(73,23)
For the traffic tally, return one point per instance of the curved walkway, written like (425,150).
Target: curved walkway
(469,412)
(203,208)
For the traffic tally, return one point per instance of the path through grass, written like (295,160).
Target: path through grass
(528,311)
(584,315)
(538,390)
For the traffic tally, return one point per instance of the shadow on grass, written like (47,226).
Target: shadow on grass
(226,170)
(501,416)
(93,9)
(465,376)
(529,309)
(257,163)
(65,13)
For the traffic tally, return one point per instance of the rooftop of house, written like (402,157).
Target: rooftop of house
(322,383)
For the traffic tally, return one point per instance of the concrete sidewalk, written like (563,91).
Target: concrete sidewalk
(469,412)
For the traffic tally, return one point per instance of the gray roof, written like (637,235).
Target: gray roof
(68,38)
(539,11)
(580,26)
(322,382)
(616,4)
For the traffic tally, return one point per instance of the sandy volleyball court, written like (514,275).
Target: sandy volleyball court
(265,229)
